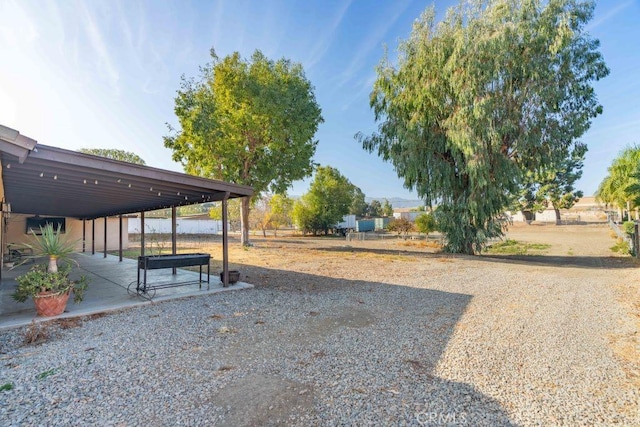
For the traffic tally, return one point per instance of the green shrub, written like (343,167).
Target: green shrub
(629,228)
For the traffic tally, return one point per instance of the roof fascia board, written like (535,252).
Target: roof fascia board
(45,152)
(14,143)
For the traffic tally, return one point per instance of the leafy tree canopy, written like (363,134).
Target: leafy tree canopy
(387,209)
(233,213)
(497,88)
(281,208)
(554,185)
(328,200)
(401,226)
(114,154)
(249,122)
(426,223)
(359,206)
(375,208)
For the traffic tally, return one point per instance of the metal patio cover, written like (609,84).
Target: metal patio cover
(43,180)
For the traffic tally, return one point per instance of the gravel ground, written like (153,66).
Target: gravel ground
(374,333)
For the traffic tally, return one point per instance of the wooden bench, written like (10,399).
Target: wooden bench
(154,262)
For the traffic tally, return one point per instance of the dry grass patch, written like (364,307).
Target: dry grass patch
(421,244)
(69,323)
(37,332)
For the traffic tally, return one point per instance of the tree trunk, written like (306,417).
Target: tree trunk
(468,250)
(53,264)
(244,221)
(558,220)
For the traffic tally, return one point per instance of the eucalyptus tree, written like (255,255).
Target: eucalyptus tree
(250,122)
(497,88)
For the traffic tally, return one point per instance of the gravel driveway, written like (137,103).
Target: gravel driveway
(355,333)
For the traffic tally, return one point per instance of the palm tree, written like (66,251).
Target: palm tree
(621,187)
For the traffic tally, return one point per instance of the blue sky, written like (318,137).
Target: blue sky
(104,74)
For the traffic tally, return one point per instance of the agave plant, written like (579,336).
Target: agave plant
(53,244)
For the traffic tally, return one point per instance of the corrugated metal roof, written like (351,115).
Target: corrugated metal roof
(44,180)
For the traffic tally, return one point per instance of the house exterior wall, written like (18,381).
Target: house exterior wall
(3,237)
(17,232)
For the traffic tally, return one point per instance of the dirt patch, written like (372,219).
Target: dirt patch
(262,400)
(346,317)
(627,346)
(577,260)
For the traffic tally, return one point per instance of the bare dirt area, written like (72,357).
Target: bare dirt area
(574,306)
(374,332)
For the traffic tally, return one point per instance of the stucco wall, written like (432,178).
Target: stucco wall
(17,227)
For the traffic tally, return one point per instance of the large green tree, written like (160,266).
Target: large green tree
(497,88)
(249,122)
(329,198)
(115,154)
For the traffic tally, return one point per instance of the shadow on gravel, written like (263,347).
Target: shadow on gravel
(353,249)
(300,349)
(360,352)
(590,262)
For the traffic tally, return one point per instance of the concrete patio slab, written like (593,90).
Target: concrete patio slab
(109,280)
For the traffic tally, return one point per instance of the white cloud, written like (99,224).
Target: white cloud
(608,15)
(319,50)
(17,28)
(363,89)
(373,41)
(105,65)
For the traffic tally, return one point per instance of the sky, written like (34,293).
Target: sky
(104,74)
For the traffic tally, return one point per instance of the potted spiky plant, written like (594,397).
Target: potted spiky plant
(48,285)
(54,245)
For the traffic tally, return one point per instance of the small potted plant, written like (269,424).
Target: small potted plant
(49,290)
(48,285)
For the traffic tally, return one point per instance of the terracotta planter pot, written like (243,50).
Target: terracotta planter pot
(50,304)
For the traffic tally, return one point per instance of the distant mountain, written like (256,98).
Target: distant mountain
(397,202)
